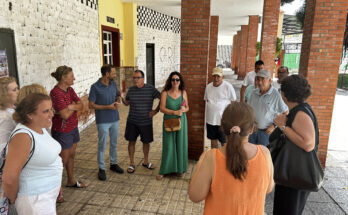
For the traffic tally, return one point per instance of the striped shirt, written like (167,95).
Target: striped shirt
(60,100)
(141,102)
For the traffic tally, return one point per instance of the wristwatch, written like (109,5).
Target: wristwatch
(282,128)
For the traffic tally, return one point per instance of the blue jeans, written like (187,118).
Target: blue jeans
(104,129)
(259,137)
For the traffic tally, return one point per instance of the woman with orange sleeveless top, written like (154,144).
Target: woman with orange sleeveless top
(235,178)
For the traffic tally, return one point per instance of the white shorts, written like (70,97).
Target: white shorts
(41,204)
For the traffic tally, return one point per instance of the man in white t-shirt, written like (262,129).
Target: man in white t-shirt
(218,95)
(250,78)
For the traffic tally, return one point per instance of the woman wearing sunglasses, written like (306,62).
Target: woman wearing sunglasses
(174,104)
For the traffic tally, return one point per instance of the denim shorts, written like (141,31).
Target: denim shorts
(66,140)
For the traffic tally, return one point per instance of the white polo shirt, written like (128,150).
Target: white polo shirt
(217,99)
(267,106)
(249,78)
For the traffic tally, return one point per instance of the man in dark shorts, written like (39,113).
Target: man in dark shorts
(218,95)
(139,122)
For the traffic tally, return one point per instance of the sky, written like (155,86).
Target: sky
(289,9)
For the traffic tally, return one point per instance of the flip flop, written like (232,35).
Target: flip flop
(60,199)
(148,166)
(131,169)
(159,177)
(77,185)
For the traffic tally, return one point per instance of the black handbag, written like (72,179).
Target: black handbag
(293,166)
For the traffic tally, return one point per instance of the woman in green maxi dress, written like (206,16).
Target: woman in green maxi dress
(174,104)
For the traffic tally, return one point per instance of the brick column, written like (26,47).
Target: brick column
(270,20)
(320,59)
(238,50)
(252,41)
(234,50)
(194,52)
(243,52)
(213,43)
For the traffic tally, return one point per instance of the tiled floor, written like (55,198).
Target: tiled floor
(138,193)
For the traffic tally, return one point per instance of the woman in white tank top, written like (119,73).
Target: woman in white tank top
(33,170)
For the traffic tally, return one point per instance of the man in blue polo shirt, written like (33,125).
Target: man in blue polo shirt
(104,98)
(267,103)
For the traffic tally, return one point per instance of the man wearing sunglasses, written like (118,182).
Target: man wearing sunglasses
(282,73)
(218,95)
(140,97)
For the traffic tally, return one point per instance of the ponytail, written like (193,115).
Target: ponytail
(237,121)
(236,158)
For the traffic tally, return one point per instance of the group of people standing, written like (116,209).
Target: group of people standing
(235,178)
(232,179)
(35,157)
(105,97)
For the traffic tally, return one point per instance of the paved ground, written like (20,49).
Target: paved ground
(140,193)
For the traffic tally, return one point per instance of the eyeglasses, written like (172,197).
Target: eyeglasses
(176,79)
(137,78)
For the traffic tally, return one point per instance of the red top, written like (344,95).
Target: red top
(60,100)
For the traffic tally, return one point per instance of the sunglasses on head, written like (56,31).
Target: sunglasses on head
(176,79)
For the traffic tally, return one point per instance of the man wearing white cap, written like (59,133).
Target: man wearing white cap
(218,95)
(267,103)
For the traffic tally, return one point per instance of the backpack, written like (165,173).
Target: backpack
(5,208)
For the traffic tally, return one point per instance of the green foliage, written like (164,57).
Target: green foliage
(285,2)
(300,14)
(279,47)
(342,81)
(258,47)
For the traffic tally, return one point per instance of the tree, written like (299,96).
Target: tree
(282,2)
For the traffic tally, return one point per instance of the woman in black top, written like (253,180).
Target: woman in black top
(302,130)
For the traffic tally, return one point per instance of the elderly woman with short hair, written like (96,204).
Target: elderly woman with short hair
(303,131)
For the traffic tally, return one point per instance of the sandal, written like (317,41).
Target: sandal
(179,175)
(60,199)
(148,166)
(77,185)
(131,169)
(159,177)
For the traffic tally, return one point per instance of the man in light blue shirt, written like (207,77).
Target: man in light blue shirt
(267,103)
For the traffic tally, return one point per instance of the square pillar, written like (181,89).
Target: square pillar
(238,50)
(194,54)
(252,41)
(213,43)
(243,52)
(270,20)
(321,52)
(234,50)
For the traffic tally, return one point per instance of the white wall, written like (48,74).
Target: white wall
(49,34)
(166,38)
(53,33)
